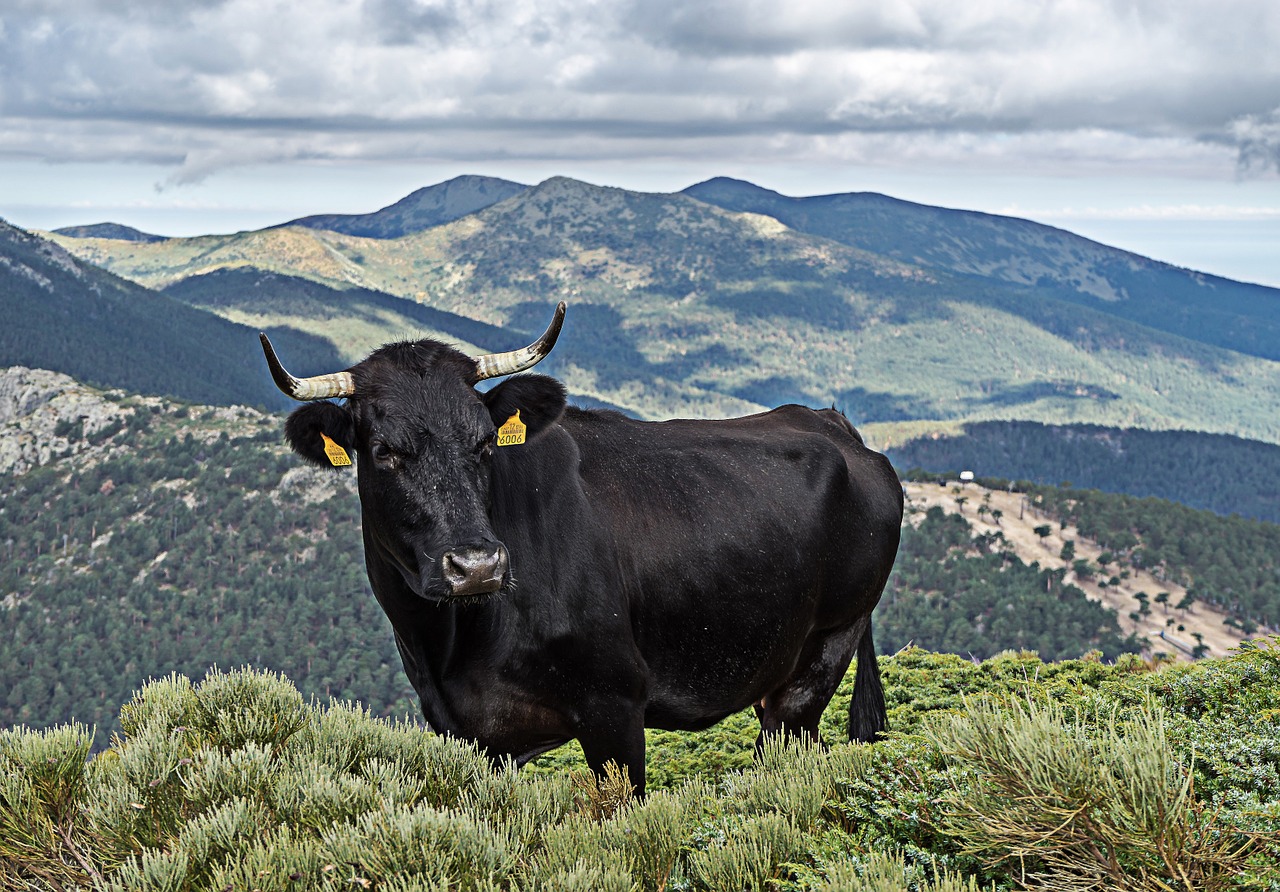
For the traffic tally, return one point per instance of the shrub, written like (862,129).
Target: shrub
(1009,773)
(1080,800)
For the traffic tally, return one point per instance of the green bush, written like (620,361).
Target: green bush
(1011,773)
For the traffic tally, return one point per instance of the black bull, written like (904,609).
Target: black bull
(606,575)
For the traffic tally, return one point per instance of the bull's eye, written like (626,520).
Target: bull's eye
(382,454)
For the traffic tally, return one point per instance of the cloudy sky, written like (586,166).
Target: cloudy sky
(1149,124)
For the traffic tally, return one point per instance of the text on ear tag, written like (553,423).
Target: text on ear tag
(337,455)
(512,431)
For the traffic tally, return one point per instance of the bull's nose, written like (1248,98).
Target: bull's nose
(474,571)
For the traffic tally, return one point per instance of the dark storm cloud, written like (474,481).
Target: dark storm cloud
(226,82)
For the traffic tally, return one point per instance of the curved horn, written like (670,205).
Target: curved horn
(321,387)
(495,365)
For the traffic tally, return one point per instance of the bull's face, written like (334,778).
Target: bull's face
(425,441)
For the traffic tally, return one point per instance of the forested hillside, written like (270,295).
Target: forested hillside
(1224,474)
(1229,563)
(953,593)
(178,537)
(184,538)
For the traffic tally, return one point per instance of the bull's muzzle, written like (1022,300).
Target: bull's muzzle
(474,570)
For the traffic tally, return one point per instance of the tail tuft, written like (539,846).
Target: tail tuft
(867,716)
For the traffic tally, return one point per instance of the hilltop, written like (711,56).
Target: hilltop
(987,247)
(419,210)
(116,231)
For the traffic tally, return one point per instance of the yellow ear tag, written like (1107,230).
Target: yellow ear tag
(512,431)
(337,455)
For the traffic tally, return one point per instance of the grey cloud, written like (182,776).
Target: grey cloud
(767,28)
(226,82)
(412,21)
(1257,138)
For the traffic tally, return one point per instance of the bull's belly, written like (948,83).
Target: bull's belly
(692,690)
(686,716)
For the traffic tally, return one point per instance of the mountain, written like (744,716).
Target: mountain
(68,316)
(683,307)
(109,230)
(423,209)
(1210,309)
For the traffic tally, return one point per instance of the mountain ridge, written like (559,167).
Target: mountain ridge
(69,316)
(1240,316)
(684,306)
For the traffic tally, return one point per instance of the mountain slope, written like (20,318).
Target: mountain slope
(423,209)
(68,316)
(1016,528)
(355,320)
(1235,315)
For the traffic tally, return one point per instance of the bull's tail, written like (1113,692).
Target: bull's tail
(866,709)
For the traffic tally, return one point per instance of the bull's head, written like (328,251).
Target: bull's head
(424,440)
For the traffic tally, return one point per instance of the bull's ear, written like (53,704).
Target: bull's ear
(308,426)
(539,400)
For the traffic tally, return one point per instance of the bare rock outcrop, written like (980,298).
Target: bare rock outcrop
(44,415)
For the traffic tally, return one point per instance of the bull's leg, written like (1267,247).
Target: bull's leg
(795,707)
(618,739)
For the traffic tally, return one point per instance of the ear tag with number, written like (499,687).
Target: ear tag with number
(512,431)
(337,455)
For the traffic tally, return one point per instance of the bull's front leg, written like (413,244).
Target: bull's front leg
(615,736)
